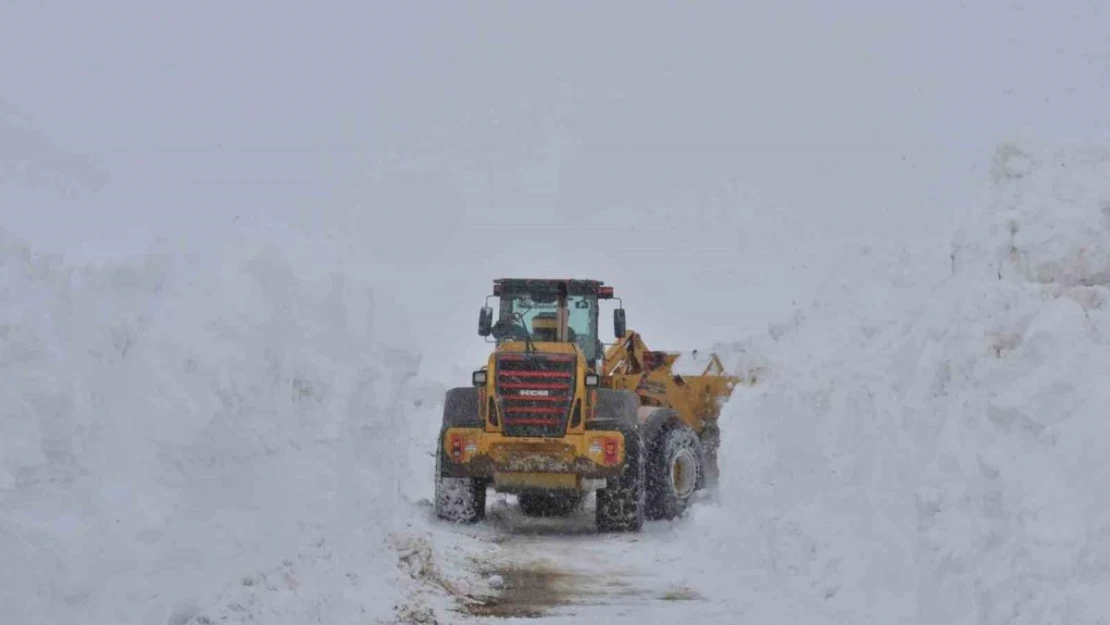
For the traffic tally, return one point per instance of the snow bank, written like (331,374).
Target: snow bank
(930,447)
(178,431)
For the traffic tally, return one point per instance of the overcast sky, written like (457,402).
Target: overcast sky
(547,123)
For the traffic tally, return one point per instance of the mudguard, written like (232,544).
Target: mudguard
(615,410)
(460,408)
(653,420)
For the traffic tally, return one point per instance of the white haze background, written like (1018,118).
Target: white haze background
(274,224)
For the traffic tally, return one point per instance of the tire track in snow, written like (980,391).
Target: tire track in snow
(560,570)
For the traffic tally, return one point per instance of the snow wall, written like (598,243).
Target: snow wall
(201,438)
(220,437)
(928,444)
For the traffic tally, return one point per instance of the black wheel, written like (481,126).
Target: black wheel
(459,499)
(620,505)
(674,472)
(549,504)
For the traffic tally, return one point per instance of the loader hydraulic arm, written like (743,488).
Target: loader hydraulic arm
(630,356)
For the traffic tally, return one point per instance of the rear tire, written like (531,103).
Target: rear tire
(549,504)
(459,499)
(675,471)
(620,505)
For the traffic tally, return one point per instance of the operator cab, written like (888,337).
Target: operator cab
(545,327)
(548,310)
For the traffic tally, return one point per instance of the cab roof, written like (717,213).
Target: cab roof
(573,286)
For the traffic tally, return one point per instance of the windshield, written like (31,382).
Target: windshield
(541,319)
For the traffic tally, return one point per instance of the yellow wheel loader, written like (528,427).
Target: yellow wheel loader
(554,415)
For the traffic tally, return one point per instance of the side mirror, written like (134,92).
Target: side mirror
(618,322)
(485,321)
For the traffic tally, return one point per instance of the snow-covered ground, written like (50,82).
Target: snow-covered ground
(924,444)
(275,227)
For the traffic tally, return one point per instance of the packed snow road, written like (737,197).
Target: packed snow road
(560,570)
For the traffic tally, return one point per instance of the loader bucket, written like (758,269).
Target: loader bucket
(698,398)
(708,391)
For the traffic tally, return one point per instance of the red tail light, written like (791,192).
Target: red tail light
(456,446)
(610,456)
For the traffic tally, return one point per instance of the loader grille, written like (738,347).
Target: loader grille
(535,392)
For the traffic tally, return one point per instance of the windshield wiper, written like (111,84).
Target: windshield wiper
(529,345)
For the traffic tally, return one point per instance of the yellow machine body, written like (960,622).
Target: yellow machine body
(551,415)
